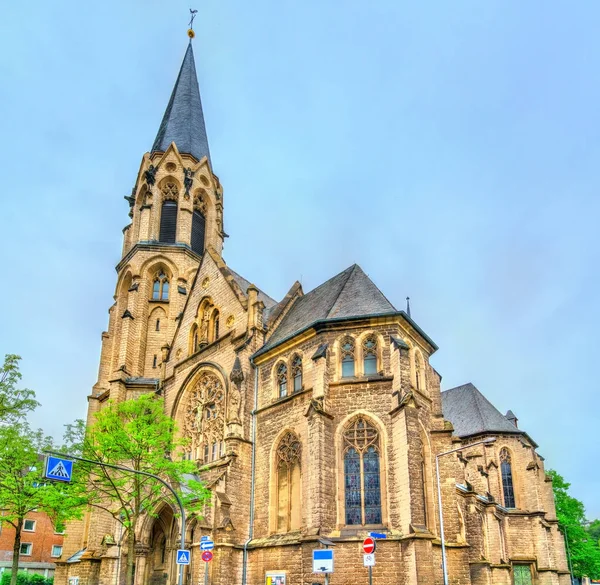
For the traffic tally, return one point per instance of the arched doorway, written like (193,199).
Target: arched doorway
(160,564)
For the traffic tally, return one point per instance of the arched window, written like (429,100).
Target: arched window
(282,380)
(347,348)
(288,484)
(362,473)
(419,372)
(198,225)
(297,373)
(160,287)
(194,339)
(215,325)
(507,479)
(168,222)
(369,350)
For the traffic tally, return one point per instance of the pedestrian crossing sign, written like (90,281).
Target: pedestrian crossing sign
(183,557)
(58,469)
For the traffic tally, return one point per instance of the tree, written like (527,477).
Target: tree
(139,435)
(593,530)
(585,553)
(23,488)
(14,403)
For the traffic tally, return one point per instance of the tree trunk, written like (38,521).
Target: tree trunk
(16,552)
(130,554)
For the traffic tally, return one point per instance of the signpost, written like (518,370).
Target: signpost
(207,556)
(58,469)
(322,560)
(206,546)
(183,557)
(369,546)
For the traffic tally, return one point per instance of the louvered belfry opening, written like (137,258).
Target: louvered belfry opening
(198,230)
(168,222)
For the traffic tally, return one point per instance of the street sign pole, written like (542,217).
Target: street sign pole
(122,468)
(370,575)
(205,573)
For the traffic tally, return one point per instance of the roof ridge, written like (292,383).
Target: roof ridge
(350,270)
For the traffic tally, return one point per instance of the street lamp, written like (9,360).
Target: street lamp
(487,441)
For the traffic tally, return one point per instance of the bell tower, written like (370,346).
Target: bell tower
(176,211)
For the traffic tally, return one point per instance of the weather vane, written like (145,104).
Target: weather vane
(191,32)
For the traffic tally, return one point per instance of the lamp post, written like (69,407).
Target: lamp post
(487,441)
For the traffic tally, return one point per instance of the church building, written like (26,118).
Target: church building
(314,419)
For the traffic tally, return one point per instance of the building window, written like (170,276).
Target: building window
(158,325)
(419,378)
(297,373)
(282,380)
(26,548)
(215,325)
(154,360)
(198,228)
(160,288)
(347,348)
(56,550)
(362,480)
(522,575)
(507,479)
(168,222)
(288,484)
(29,526)
(369,348)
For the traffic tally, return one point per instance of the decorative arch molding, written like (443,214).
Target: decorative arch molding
(150,519)
(169,188)
(379,426)
(189,379)
(152,264)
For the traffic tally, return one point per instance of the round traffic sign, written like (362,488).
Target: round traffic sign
(207,556)
(369,545)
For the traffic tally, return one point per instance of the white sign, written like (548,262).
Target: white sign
(370,560)
(207,545)
(323,560)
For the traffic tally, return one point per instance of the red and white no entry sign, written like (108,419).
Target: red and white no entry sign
(207,556)
(369,545)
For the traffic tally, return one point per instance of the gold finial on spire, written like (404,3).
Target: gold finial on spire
(191,32)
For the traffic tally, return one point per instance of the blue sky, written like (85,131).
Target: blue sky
(451,149)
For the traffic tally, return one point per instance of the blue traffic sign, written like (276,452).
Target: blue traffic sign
(207,545)
(204,537)
(323,560)
(377,535)
(58,469)
(183,557)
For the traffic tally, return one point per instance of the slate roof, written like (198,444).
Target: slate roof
(183,122)
(244,284)
(471,413)
(351,293)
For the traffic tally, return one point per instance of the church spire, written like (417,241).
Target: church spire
(183,122)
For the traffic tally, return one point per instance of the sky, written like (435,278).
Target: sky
(450,149)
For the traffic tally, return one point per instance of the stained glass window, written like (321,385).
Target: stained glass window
(282,380)
(297,373)
(507,479)
(348,357)
(369,347)
(362,473)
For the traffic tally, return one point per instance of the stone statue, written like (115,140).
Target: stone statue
(188,180)
(150,175)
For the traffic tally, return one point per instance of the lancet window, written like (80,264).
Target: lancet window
(204,422)
(282,380)
(369,351)
(508,489)
(160,287)
(347,350)
(198,225)
(362,470)
(288,483)
(297,373)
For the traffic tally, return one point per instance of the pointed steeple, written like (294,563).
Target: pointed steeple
(183,122)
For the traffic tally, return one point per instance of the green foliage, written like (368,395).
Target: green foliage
(24,578)
(593,530)
(139,435)
(585,553)
(14,403)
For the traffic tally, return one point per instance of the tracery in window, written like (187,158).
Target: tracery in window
(362,481)
(507,479)
(160,287)
(282,380)
(297,373)
(369,350)
(204,417)
(347,350)
(170,191)
(288,483)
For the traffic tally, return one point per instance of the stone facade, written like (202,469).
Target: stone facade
(316,417)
